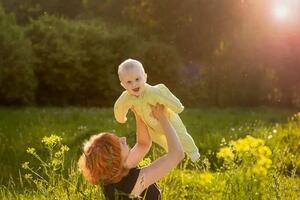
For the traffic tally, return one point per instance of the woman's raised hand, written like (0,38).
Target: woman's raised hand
(158,111)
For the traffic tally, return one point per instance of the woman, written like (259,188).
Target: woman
(104,160)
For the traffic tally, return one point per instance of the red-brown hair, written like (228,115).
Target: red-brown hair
(101,160)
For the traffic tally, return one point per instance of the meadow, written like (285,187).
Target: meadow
(247,153)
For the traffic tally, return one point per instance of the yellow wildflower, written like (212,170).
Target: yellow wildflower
(144,162)
(28,176)
(31,151)
(64,148)
(264,162)
(225,152)
(58,154)
(25,165)
(241,145)
(52,140)
(259,170)
(206,178)
(254,142)
(56,163)
(264,150)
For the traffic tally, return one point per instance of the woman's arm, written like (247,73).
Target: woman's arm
(163,165)
(143,143)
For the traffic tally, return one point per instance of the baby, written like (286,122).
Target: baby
(139,95)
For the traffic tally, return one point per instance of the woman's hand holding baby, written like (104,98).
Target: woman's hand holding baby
(158,111)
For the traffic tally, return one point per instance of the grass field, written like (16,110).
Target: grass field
(225,170)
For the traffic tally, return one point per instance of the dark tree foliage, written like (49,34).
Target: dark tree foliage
(76,61)
(17,79)
(32,9)
(209,52)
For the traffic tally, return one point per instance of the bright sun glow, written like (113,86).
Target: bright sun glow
(281,12)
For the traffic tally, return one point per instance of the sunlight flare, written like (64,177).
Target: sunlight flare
(281,12)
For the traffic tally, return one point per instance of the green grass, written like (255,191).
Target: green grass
(21,128)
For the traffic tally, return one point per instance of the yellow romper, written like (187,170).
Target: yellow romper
(152,95)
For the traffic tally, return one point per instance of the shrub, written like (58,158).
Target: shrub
(77,61)
(17,79)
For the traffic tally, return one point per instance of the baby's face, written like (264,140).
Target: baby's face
(133,80)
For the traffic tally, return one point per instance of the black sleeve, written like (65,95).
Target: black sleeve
(109,192)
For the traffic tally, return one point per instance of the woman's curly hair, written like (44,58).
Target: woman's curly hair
(101,160)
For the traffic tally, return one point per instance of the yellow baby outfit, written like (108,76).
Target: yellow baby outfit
(152,95)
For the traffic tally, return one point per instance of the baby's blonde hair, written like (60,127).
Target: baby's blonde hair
(130,64)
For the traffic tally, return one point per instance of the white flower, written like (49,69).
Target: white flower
(270,137)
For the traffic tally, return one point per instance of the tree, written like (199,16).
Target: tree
(17,78)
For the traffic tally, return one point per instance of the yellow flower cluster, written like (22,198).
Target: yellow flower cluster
(247,144)
(264,151)
(205,178)
(225,153)
(31,151)
(144,162)
(58,159)
(261,166)
(249,150)
(52,140)
(61,152)
(28,176)
(25,165)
